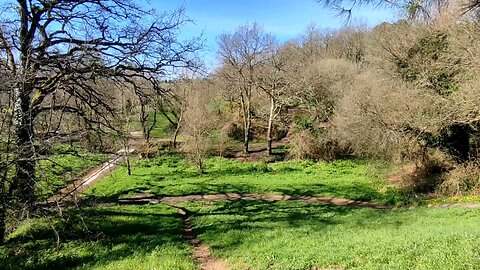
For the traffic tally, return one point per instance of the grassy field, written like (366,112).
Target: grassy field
(168,176)
(101,238)
(256,235)
(284,235)
(62,166)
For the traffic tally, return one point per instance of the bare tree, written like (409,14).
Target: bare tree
(54,52)
(197,121)
(242,53)
(273,79)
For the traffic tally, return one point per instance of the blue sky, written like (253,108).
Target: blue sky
(286,19)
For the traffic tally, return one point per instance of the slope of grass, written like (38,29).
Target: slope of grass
(63,165)
(101,238)
(167,176)
(162,129)
(286,235)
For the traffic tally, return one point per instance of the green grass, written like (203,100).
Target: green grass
(287,235)
(147,237)
(64,164)
(257,235)
(162,129)
(455,199)
(167,176)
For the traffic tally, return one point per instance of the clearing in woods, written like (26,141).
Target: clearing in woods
(237,215)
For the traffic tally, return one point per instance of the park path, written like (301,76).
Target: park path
(71,192)
(201,252)
(249,197)
(173,200)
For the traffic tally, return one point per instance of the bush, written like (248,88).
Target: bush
(302,122)
(149,150)
(233,131)
(308,145)
(424,176)
(463,180)
(280,134)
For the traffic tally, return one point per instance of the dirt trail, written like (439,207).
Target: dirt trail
(72,191)
(250,197)
(147,199)
(201,252)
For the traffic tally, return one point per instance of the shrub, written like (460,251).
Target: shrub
(307,144)
(148,150)
(424,176)
(463,180)
(280,134)
(302,122)
(233,131)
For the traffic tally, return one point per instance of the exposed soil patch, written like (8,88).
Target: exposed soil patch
(236,197)
(201,252)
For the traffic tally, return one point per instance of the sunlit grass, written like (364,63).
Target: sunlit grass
(169,176)
(147,237)
(64,165)
(287,235)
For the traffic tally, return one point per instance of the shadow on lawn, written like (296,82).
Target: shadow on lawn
(227,171)
(99,236)
(211,220)
(91,237)
(171,177)
(207,186)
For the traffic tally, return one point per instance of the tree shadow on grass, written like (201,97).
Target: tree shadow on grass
(207,186)
(253,217)
(92,237)
(242,179)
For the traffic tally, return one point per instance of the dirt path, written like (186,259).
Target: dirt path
(72,191)
(146,199)
(201,252)
(250,197)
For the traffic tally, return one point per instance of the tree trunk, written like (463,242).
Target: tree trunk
(247,123)
(23,186)
(144,119)
(270,124)
(3,220)
(3,209)
(129,168)
(175,135)
(2,225)
(126,150)
(246,139)
(177,130)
